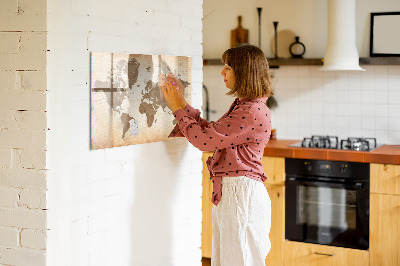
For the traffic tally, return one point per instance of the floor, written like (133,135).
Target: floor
(206,261)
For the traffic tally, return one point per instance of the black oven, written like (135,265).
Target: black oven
(327,202)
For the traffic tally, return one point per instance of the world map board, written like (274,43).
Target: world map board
(127,106)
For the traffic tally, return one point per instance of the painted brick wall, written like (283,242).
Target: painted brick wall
(134,205)
(23,133)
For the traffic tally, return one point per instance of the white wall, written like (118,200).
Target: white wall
(306,19)
(23,133)
(134,205)
(311,102)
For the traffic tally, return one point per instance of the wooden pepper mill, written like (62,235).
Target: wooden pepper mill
(239,35)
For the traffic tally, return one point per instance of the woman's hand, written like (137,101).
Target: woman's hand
(181,90)
(172,95)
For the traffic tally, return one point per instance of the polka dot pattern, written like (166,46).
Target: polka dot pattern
(238,139)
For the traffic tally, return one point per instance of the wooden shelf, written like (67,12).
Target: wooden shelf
(273,63)
(380,61)
(276,62)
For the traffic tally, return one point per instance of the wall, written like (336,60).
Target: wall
(306,19)
(311,102)
(23,133)
(134,205)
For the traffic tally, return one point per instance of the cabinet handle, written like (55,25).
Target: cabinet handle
(324,254)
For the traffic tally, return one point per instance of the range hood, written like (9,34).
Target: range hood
(341,51)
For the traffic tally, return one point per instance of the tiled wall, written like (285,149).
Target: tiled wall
(313,102)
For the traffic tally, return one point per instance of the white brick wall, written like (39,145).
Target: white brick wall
(23,132)
(134,205)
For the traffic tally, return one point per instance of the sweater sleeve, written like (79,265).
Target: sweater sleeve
(193,113)
(229,131)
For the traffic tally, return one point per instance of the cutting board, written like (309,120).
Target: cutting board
(239,35)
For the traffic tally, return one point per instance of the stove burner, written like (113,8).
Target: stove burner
(332,142)
(358,144)
(328,142)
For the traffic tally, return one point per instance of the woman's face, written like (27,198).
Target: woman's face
(229,76)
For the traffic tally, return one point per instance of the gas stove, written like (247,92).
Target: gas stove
(332,142)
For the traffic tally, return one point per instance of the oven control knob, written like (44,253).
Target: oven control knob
(308,166)
(343,168)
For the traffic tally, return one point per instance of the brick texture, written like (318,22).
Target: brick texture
(23,125)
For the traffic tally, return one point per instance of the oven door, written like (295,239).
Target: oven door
(327,213)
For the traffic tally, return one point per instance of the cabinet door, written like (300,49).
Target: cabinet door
(304,254)
(206,232)
(274,168)
(385,178)
(277,233)
(384,230)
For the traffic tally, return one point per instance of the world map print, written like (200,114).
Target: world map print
(127,106)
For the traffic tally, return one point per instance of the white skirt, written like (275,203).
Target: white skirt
(241,223)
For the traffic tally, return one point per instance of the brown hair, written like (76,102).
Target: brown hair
(250,66)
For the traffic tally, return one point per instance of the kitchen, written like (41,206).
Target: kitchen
(113,206)
(313,104)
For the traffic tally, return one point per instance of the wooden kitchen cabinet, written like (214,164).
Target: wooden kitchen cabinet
(274,168)
(305,254)
(277,233)
(384,236)
(385,178)
(206,225)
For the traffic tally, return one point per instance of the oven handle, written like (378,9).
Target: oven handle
(357,185)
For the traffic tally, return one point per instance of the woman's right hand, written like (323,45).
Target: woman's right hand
(181,91)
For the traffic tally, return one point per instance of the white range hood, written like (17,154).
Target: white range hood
(341,51)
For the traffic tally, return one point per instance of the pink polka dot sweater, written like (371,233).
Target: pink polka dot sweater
(238,139)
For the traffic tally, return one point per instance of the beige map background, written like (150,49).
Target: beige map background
(126,107)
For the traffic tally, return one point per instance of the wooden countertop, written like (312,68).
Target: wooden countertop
(389,154)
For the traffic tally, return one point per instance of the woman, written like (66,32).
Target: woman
(242,208)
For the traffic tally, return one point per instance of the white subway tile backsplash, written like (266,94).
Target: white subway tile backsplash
(394,83)
(291,71)
(367,110)
(342,96)
(342,81)
(380,71)
(355,109)
(394,123)
(367,83)
(394,97)
(355,132)
(381,97)
(329,109)
(304,72)
(342,109)
(394,137)
(367,96)
(347,103)
(367,122)
(355,96)
(367,133)
(381,136)
(381,110)
(381,84)
(393,71)
(342,122)
(292,83)
(303,82)
(381,123)
(394,110)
